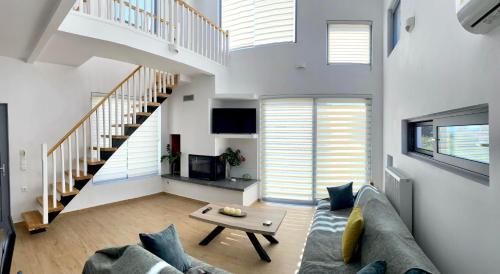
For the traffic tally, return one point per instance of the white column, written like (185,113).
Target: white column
(70,165)
(122,108)
(45,185)
(77,149)
(85,148)
(63,176)
(134,100)
(110,135)
(54,178)
(98,137)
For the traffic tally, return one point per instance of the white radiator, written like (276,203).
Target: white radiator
(398,189)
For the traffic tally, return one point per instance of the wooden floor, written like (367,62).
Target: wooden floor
(74,236)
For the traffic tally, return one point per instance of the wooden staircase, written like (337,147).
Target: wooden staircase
(67,165)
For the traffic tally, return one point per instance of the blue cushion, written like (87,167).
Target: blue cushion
(167,245)
(377,267)
(341,196)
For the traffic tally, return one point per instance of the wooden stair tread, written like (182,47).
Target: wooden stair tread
(153,104)
(80,176)
(91,162)
(106,148)
(115,136)
(33,220)
(147,114)
(68,192)
(59,206)
(128,125)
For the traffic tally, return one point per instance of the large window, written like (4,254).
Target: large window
(138,156)
(456,139)
(349,43)
(258,22)
(308,144)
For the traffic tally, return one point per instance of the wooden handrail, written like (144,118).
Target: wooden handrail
(94,109)
(197,12)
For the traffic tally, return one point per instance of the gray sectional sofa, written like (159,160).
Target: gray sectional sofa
(385,237)
(135,259)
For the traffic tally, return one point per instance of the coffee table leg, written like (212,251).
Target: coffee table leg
(212,235)
(271,239)
(260,250)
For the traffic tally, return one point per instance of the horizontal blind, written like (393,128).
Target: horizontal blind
(349,43)
(274,21)
(257,22)
(342,143)
(137,156)
(143,148)
(287,148)
(116,166)
(238,18)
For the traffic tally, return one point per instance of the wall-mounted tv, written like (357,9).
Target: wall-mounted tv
(234,120)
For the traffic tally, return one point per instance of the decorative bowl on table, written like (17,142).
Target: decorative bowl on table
(233,212)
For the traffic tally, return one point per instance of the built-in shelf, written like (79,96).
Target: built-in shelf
(236,96)
(236,136)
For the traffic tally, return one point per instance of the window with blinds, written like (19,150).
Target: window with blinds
(342,143)
(258,22)
(308,144)
(138,156)
(287,148)
(349,43)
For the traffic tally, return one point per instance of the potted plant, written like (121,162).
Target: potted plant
(232,158)
(172,158)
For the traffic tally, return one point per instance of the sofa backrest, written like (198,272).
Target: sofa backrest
(386,237)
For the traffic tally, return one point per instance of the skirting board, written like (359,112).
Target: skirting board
(212,194)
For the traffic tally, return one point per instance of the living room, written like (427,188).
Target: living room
(229,136)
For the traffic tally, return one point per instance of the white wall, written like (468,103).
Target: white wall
(44,102)
(190,119)
(271,69)
(440,66)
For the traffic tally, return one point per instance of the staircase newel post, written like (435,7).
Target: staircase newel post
(45,185)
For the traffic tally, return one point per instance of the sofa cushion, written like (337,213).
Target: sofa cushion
(341,196)
(377,267)
(352,233)
(167,245)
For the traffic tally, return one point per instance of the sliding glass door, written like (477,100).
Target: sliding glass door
(308,144)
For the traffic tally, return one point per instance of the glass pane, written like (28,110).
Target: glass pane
(424,137)
(469,142)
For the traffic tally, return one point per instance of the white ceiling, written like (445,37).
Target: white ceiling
(22,23)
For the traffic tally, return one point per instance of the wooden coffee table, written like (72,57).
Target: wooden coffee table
(251,224)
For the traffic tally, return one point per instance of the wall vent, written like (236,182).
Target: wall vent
(188,98)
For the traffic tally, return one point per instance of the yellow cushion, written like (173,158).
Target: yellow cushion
(352,232)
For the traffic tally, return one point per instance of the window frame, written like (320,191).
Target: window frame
(219,17)
(349,22)
(474,115)
(391,43)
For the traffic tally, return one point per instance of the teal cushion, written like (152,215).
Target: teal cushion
(341,196)
(377,267)
(167,245)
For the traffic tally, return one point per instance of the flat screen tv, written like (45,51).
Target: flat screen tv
(234,120)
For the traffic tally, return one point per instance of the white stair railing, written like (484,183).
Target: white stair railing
(130,92)
(173,21)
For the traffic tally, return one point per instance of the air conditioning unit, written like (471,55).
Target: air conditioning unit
(478,16)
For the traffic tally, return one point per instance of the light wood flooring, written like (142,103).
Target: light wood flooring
(74,236)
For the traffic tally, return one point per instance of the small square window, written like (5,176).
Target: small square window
(349,43)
